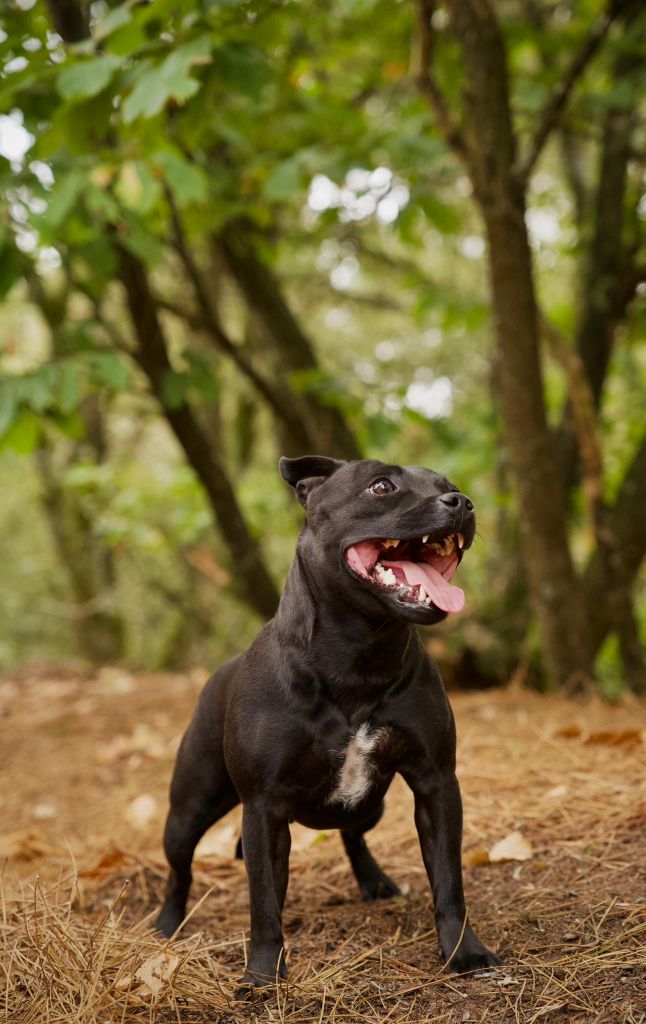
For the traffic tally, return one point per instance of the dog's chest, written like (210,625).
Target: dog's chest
(357,770)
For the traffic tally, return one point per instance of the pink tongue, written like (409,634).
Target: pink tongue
(441,592)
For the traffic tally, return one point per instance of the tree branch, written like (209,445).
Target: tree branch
(556,104)
(279,398)
(264,297)
(428,86)
(252,577)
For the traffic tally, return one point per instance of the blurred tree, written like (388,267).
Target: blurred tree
(488,145)
(261,227)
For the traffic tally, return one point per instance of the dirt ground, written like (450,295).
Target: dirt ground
(86,760)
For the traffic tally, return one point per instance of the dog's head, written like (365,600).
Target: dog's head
(390,536)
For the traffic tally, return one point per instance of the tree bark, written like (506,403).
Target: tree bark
(252,578)
(99,630)
(492,147)
(85,557)
(605,584)
(264,297)
(609,276)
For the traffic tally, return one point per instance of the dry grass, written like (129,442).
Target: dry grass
(89,760)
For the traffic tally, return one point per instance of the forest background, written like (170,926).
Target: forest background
(234,230)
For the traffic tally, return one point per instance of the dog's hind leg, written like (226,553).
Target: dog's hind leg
(374,883)
(201,794)
(185,826)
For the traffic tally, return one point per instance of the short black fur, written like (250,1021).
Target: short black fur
(272,726)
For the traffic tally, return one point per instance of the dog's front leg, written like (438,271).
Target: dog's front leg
(266,845)
(438,817)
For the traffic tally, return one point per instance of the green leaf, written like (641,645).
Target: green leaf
(188,183)
(23,435)
(141,243)
(87,78)
(70,424)
(242,68)
(284,181)
(69,387)
(36,389)
(64,196)
(10,268)
(175,388)
(168,80)
(112,21)
(8,403)
(445,218)
(201,377)
(109,369)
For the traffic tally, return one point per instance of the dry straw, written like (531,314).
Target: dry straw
(569,919)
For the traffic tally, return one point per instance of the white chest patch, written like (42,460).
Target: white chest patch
(355,774)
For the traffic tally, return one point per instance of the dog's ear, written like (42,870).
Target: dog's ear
(307,472)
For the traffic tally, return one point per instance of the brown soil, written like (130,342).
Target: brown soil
(87,761)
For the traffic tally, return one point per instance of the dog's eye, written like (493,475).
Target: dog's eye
(383,486)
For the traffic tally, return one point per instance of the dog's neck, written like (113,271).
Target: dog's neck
(348,645)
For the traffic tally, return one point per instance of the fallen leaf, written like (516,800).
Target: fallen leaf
(475,858)
(26,844)
(113,861)
(556,791)
(142,810)
(614,738)
(124,982)
(156,971)
(115,682)
(512,847)
(142,741)
(568,732)
(44,812)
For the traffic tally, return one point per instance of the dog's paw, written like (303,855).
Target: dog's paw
(470,957)
(473,962)
(253,989)
(168,922)
(378,887)
(260,978)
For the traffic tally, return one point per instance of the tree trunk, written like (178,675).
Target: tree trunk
(249,572)
(99,630)
(492,156)
(541,508)
(605,586)
(609,277)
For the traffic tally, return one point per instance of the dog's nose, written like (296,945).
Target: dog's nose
(457,501)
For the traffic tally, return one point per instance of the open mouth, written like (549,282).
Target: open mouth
(416,571)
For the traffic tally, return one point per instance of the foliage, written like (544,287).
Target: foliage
(206,140)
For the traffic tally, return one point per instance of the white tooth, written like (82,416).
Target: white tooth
(425,538)
(389,576)
(427,601)
(460,541)
(392,543)
(422,594)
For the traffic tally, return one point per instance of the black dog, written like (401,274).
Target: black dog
(334,697)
